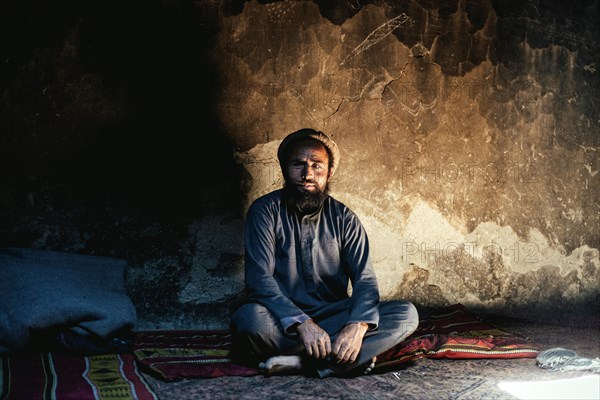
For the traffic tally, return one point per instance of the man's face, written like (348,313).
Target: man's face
(307,167)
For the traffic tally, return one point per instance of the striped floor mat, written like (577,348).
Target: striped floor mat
(60,376)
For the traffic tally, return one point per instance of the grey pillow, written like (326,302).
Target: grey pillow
(42,289)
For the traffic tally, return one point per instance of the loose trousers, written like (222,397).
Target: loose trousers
(258,335)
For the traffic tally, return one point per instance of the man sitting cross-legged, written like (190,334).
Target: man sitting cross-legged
(302,247)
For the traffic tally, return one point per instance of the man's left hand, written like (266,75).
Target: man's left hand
(346,347)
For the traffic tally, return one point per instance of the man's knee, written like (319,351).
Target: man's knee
(411,318)
(256,333)
(252,319)
(401,316)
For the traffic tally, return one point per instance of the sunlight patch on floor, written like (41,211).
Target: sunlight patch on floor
(584,387)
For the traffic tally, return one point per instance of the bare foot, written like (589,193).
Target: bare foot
(371,365)
(281,364)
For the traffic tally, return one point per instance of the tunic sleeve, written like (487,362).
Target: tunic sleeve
(261,286)
(365,292)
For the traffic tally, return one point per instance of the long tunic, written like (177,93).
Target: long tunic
(298,267)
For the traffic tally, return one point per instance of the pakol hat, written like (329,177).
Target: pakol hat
(308,133)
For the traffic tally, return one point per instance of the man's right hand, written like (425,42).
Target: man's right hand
(316,340)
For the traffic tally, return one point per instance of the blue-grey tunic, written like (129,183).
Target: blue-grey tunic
(298,267)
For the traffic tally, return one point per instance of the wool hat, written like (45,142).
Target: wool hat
(308,133)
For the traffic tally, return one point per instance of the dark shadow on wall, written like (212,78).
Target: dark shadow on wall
(111,104)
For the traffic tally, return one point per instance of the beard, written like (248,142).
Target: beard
(306,201)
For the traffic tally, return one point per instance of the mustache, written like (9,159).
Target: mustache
(304,199)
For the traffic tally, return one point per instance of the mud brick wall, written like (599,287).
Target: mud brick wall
(469,133)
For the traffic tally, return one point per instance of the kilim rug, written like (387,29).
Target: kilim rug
(456,333)
(60,376)
(452,332)
(174,355)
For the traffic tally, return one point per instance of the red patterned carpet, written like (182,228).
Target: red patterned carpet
(435,362)
(452,332)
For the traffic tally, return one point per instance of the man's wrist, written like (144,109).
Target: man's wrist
(363,325)
(303,323)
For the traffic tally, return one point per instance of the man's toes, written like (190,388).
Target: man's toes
(280,364)
(371,365)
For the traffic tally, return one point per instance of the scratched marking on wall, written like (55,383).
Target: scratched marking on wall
(378,35)
(300,99)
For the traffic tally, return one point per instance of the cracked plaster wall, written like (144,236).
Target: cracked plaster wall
(468,135)
(468,132)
